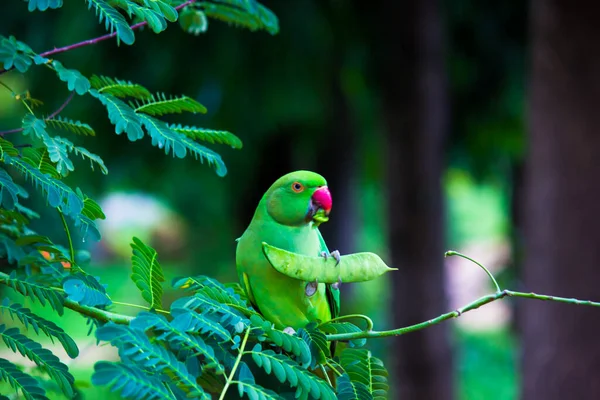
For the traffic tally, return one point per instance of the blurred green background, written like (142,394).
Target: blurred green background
(281,95)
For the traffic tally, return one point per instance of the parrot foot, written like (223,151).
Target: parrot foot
(337,284)
(335,254)
(289,330)
(311,288)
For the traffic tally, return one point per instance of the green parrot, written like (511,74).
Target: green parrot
(288,217)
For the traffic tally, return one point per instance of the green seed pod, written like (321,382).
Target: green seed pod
(357,267)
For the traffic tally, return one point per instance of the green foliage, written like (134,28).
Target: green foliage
(21,382)
(36,291)
(14,53)
(286,370)
(113,20)
(135,347)
(316,341)
(208,135)
(147,273)
(74,79)
(242,13)
(159,104)
(77,127)
(43,5)
(39,324)
(42,357)
(85,290)
(351,390)
(367,370)
(119,88)
(130,381)
(210,340)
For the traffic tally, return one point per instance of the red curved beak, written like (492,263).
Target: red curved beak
(321,198)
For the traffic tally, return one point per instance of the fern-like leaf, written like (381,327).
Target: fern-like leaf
(14,53)
(42,357)
(287,370)
(147,273)
(164,8)
(121,116)
(10,191)
(39,324)
(249,15)
(155,20)
(317,342)
(209,135)
(159,104)
(352,390)
(86,290)
(33,290)
(132,382)
(43,5)
(57,151)
(84,153)
(113,20)
(135,347)
(256,392)
(21,382)
(361,366)
(163,137)
(76,127)
(39,158)
(226,315)
(56,192)
(187,320)
(74,79)
(291,344)
(182,342)
(119,88)
(7,148)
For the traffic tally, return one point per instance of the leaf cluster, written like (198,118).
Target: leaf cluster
(205,343)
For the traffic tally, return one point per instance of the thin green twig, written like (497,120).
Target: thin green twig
(333,368)
(487,271)
(235,366)
(68,233)
(7,87)
(455,314)
(325,373)
(368,320)
(139,306)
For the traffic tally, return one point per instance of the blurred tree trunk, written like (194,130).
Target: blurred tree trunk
(408,61)
(561,351)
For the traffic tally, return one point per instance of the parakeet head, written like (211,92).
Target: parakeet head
(299,198)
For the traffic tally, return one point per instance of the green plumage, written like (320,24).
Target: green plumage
(281,221)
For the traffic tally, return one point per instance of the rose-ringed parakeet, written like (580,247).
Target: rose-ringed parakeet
(287,217)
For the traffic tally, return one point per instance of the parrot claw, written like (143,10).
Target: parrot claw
(336,254)
(324,255)
(289,330)
(337,284)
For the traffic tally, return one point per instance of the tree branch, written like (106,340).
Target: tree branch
(455,314)
(54,114)
(92,312)
(95,40)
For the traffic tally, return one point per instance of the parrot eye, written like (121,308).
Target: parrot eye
(297,187)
